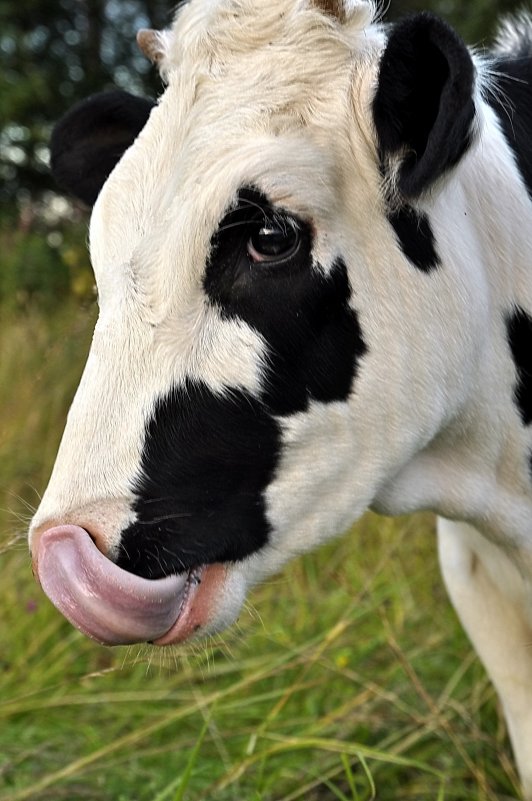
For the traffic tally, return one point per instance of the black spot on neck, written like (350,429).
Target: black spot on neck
(206,462)
(519,328)
(313,335)
(416,238)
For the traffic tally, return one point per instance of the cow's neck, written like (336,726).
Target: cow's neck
(479,466)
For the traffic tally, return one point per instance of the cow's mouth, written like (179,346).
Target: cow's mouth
(116,607)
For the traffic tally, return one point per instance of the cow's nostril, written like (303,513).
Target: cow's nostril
(97,540)
(60,529)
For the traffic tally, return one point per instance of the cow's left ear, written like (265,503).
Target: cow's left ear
(92,137)
(423,108)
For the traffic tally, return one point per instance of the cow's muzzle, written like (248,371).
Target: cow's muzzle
(113,606)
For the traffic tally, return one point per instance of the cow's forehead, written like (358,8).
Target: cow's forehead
(255,62)
(218,34)
(268,112)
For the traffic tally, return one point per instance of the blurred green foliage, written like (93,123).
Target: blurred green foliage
(38,265)
(52,54)
(475,20)
(30,267)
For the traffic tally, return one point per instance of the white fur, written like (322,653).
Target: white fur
(277,94)
(514,35)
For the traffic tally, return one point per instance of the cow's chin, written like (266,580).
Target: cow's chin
(115,607)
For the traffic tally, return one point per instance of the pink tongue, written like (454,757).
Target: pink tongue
(105,602)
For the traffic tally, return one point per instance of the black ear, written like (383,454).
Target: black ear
(424,107)
(91,138)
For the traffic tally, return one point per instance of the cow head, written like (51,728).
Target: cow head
(272,343)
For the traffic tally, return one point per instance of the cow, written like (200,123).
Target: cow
(313,267)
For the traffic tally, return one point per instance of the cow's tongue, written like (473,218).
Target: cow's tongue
(105,602)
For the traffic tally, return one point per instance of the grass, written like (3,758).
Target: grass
(347,677)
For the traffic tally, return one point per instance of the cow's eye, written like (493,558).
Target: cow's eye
(275,240)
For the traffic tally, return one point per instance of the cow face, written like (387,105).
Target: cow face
(267,354)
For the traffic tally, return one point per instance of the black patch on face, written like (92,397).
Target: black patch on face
(207,460)
(415,236)
(313,336)
(512,100)
(519,328)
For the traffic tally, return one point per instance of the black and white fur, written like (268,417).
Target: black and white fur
(238,410)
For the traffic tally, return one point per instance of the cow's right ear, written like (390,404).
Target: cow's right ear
(91,138)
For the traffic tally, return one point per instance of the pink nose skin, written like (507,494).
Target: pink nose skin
(107,603)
